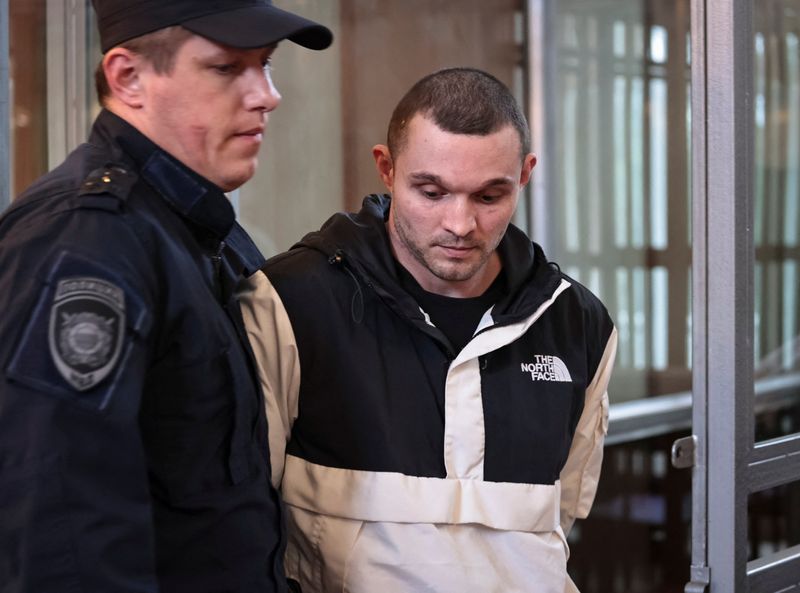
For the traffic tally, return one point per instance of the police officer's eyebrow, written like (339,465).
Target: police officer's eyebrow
(224,53)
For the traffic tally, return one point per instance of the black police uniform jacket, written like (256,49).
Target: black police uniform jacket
(132,435)
(406,466)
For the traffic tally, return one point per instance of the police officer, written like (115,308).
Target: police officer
(133,449)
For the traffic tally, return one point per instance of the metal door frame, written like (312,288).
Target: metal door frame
(729,465)
(68,75)
(5,110)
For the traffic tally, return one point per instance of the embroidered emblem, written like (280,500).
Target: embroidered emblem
(547,368)
(87,325)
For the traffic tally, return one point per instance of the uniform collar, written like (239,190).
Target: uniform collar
(249,258)
(192,196)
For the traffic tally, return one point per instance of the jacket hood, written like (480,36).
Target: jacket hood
(360,241)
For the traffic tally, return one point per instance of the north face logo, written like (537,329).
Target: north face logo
(547,368)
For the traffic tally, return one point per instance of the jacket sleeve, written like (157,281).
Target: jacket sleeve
(74,338)
(275,348)
(581,473)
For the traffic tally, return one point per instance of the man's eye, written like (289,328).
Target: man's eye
(489,198)
(225,68)
(430,191)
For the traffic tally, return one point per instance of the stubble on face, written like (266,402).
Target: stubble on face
(423,251)
(453,196)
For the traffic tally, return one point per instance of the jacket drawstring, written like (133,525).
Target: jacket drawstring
(357,302)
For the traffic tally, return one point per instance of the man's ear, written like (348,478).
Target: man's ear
(528,163)
(123,70)
(384,164)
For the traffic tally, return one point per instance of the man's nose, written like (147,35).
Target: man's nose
(459,218)
(262,94)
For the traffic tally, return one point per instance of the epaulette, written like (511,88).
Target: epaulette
(111,180)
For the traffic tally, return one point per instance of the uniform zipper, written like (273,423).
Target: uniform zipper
(216,263)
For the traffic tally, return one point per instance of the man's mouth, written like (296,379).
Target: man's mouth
(457,250)
(256,133)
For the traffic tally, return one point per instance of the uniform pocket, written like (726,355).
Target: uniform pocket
(187,423)
(35,532)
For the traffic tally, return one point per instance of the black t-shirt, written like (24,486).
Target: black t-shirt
(457,318)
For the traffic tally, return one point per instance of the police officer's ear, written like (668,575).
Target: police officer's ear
(384,164)
(123,69)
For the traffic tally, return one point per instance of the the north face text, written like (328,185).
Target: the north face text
(547,368)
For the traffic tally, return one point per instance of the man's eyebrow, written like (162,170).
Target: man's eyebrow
(425,177)
(227,52)
(499,181)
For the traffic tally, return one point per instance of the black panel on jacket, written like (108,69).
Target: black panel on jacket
(397,423)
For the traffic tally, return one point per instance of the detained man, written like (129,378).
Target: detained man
(436,388)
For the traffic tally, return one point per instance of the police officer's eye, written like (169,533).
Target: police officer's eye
(224,68)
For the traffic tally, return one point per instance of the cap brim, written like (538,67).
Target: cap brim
(258,26)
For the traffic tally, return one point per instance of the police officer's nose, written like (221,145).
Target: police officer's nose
(262,94)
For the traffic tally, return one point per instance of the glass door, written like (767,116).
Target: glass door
(747,460)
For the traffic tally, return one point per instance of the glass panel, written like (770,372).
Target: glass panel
(621,163)
(777,409)
(776,342)
(28,70)
(336,104)
(54,48)
(622,207)
(93,57)
(646,504)
(773,520)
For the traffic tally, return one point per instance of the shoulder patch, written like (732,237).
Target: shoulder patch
(78,339)
(113,180)
(87,325)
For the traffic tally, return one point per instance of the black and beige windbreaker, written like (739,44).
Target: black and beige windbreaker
(406,466)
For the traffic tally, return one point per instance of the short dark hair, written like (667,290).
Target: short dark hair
(159,48)
(460,101)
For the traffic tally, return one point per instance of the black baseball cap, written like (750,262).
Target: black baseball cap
(238,23)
